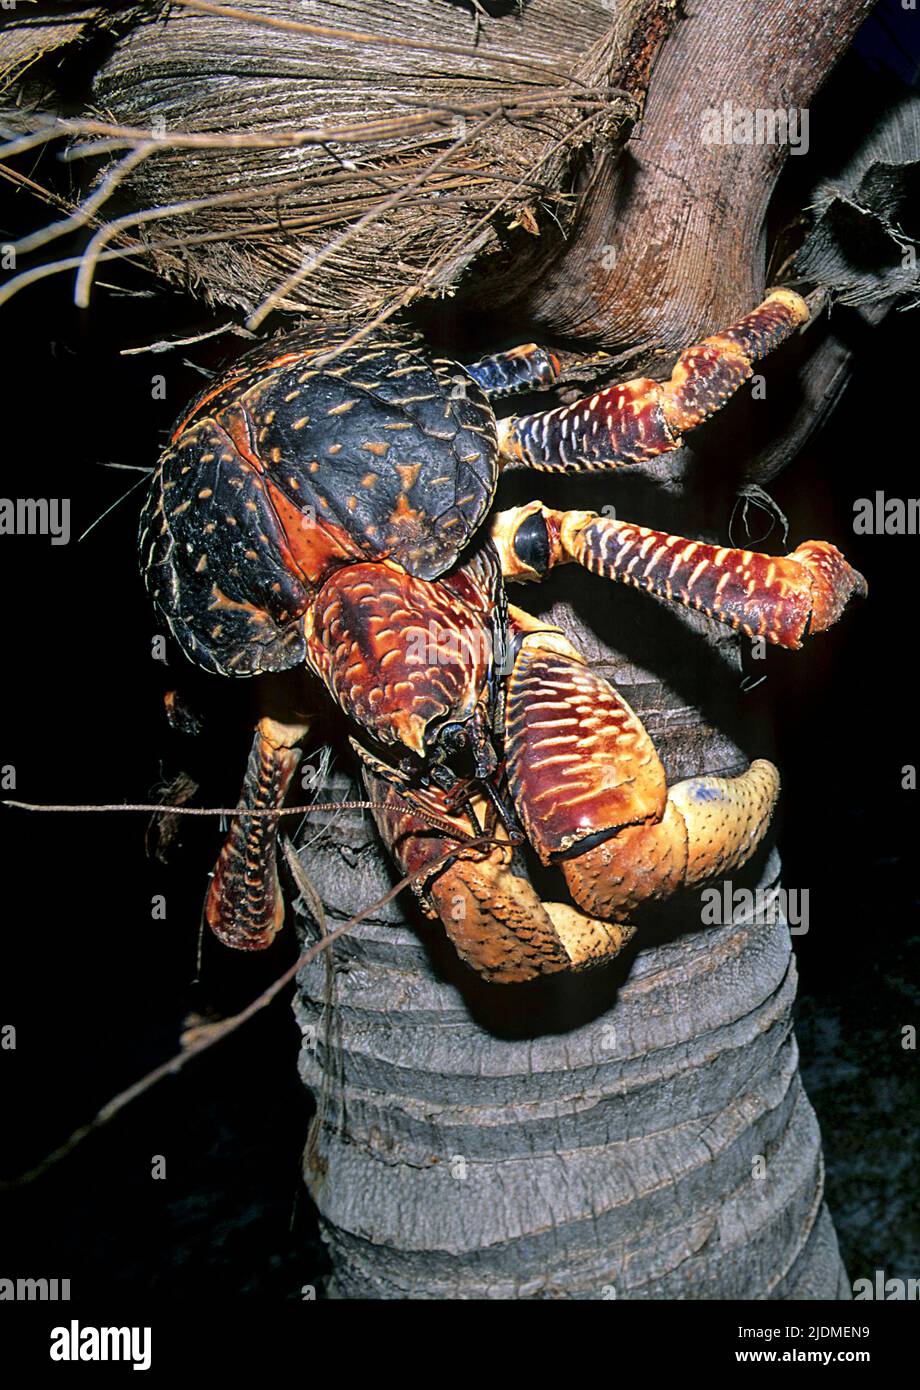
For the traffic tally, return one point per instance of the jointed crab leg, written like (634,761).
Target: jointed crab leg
(779,598)
(244,906)
(525,368)
(640,419)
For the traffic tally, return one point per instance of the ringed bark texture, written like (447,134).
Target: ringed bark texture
(637,1132)
(671,237)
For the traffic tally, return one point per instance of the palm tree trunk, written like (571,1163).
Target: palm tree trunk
(641,1132)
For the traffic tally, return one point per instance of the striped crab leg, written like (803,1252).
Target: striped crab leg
(779,598)
(244,907)
(637,420)
(525,368)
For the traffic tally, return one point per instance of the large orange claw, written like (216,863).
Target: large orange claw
(590,789)
(501,928)
(711,826)
(493,916)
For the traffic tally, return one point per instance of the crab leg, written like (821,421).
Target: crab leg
(779,598)
(525,368)
(244,907)
(590,789)
(640,419)
(494,918)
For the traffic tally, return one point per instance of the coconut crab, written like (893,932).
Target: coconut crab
(322,505)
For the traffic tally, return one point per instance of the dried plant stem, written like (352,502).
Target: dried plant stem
(313,263)
(202,1039)
(84,213)
(354,36)
(240,812)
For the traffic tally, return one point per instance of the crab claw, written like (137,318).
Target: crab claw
(710,826)
(494,918)
(500,927)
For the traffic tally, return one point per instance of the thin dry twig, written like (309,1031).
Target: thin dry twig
(206,1036)
(115,136)
(167,344)
(44,194)
(240,812)
(84,213)
(41,272)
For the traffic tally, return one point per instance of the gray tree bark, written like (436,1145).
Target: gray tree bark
(640,1132)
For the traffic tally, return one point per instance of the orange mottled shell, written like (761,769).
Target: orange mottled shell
(304,457)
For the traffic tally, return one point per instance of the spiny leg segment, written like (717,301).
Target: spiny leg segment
(637,420)
(525,368)
(244,907)
(779,598)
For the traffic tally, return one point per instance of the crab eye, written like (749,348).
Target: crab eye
(453,737)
